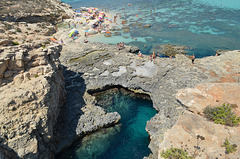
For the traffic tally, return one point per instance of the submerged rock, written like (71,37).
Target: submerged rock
(126,27)
(117,33)
(147,25)
(113,28)
(169,50)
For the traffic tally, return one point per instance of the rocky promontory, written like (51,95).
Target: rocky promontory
(46,102)
(98,66)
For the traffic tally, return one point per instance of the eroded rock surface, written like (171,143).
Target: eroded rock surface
(101,65)
(32,125)
(31,78)
(192,123)
(34,11)
(209,94)
(30,96)
(189,126)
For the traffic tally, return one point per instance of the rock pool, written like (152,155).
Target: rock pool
(128,139)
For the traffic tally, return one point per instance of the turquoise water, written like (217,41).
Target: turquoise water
(205,26)
(127,140)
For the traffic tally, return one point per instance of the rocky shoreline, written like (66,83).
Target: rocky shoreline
(46,102)
(101,65)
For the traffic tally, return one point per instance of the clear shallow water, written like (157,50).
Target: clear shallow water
(127,140)
(203,25)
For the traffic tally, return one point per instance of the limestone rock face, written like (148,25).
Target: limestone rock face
(209,94)
(30,98)
(34,11)
(133,49)
(191,124)
(32,35)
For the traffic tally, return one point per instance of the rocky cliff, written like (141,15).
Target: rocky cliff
(31,93)
(31,78)
(34,11)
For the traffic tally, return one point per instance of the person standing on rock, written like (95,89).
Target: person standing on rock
(140,54)
(115,19)
(153,55)
(151,59)
(193,58)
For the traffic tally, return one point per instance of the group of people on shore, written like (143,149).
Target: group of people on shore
(97,24)
(120,46)
(90,19)
(154,55)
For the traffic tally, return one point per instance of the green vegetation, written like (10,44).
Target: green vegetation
(182,153)
(175,153)
(36,75)
(222,115)
(15,43)
(230,148)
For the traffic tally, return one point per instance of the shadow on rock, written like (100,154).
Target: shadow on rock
(6,152)
(70,113)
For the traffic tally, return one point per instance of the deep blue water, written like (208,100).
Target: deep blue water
(127,140)
(205,26)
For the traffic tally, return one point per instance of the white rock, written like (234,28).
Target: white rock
(12,31)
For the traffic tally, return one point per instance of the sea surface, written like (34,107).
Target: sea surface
(126,140)
(205,26)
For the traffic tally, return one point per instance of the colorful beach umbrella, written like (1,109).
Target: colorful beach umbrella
(70,35)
